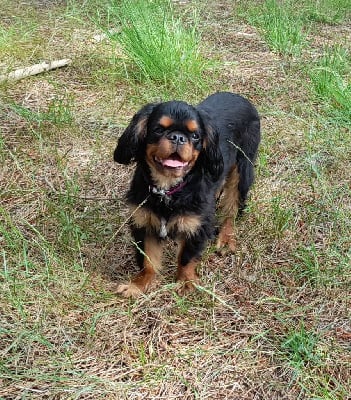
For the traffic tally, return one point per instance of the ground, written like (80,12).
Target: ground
(271,321)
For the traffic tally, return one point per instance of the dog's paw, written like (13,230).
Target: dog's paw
(185,285)
(226,237)
(129,290)
(185,288)
(226,241)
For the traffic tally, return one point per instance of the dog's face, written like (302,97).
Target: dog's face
(172,138)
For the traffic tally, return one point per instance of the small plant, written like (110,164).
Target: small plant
(330,83)
(158,44)
(70,234)
(59,112)
(281,216)
(282,30)
(300,348)
(308,266)
(326,11)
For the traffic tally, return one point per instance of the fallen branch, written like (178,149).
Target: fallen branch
(34,69)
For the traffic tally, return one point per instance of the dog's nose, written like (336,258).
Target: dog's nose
(177,138)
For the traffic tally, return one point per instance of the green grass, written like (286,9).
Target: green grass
(59,112)
(303,351)
(285,25)
(300,348)
(330,78)
(270,321)
(281,217)
(326,11)
(283,31)
(159,47)
(14,40)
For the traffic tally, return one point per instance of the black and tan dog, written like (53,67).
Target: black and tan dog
(186,159)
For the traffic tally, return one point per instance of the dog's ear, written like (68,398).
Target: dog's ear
(133,136)
(212,160)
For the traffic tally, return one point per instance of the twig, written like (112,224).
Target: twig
(34,69)
(122,225)
(241,150)
(214,296)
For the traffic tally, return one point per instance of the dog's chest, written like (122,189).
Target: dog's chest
(185,225)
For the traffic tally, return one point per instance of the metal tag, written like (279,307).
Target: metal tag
(163,229)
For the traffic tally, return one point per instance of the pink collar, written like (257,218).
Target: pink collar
(167,193)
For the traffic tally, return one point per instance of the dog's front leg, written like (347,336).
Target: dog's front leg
(149,255)
(189,256)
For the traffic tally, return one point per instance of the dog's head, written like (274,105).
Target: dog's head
(172,138)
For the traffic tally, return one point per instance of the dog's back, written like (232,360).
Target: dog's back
(228,108)
(238,126)
(236,119)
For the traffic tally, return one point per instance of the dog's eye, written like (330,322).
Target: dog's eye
(159,131)
(195,137)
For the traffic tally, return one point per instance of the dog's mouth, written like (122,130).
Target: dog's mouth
(174,161)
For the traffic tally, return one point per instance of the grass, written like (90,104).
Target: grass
(282,30)
(326,11)
(59,112)
(300,348)
(330,79)
(14,40)
(271,321)
(158,46)
(285,25)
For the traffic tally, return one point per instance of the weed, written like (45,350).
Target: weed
(158,44)
(281,28)
(329,78)
(325,11)
(281,216)
(300,348)
(59,112)
(328,267)
(309,267)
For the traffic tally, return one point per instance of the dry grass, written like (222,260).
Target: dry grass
(273,320)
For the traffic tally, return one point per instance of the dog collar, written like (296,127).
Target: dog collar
(166,194)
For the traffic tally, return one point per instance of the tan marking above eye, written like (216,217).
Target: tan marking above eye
(166,121)
(191,125)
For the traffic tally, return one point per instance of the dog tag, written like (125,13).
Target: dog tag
(163,229)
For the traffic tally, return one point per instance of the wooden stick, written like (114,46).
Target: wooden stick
(34,69)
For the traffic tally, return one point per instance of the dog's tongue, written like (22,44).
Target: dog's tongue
(172,163)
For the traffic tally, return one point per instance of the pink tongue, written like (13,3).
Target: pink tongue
(173,163)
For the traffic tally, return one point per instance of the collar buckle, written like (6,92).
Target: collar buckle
(165,195)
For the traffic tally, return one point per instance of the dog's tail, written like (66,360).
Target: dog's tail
(246,159)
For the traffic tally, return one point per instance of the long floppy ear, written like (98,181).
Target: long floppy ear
(133,136)
(212,159)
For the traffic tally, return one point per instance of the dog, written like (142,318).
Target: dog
(188,160)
